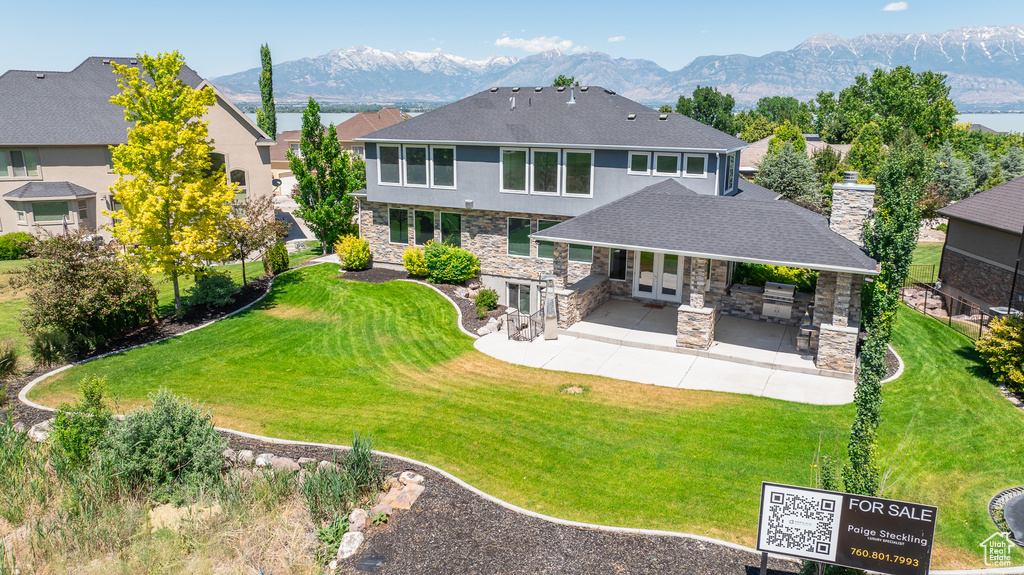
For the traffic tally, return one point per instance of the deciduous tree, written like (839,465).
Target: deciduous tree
(788,133)
(254,229)
(866,153)
(174,206)
(711,107)
(266,116)
(563,80)
(789,173)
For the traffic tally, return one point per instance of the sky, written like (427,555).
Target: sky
(220,37)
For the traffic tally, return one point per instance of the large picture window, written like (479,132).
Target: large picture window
(696,165)
(578,253)
(424,227)
(579,173)
(49,211)
(398,223)
(519,236)
(443,160)
(451,229)
(388,165)
(519,297)
(545,172)
(666,165)
(513,170)
(18,164)
(415,165)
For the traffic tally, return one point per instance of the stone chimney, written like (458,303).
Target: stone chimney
(852,205)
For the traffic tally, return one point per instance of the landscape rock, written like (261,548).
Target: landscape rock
(264,459)
(307,462)
(462,292)
(284,464)
(303,476)
(381,508)
(245,457)
(484,330)
(404,497)
(350,543)
(19,427)
(471,294)
(333,564)
(408,477)
(40,431)
(326,465)
(357,520)
(229,456)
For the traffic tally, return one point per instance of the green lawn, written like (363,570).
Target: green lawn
(928,253)
(321,358)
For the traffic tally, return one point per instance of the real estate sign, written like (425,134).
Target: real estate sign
(871,533)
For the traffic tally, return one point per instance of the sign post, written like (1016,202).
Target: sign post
(882,535)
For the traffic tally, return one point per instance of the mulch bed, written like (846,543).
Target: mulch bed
(891,364)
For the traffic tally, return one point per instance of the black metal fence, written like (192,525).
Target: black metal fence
(924,273)
(966,317)
(524,327)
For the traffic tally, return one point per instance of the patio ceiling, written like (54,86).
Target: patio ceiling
(669,218)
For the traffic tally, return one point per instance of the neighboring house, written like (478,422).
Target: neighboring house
(752,155)
(983,239)
(358,125)
(55,134)
(983,128)
(613,199)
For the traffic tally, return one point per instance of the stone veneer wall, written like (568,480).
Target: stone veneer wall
(484,233)
(747,302)
(981,281)
(837,348)
(824,297)
(695,327)
(579,299)
(850,209)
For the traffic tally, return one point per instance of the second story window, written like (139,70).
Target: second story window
(545,172)
(416,166)
(18,164)
(388,165)
(666,165)
(513,170)
(579,173)
(640,163)
(696,165)
(443,167)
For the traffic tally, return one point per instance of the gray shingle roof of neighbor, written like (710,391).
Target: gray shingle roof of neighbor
(669,217)
(54,190)
(599,118)
(1001,207)
(66,108)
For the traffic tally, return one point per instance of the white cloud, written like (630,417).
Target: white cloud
(578,49)
(616,38)
(538,44)
(895,7)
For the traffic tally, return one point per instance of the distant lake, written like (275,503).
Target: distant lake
(293,121)
(998,122)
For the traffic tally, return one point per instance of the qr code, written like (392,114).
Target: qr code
(801,523)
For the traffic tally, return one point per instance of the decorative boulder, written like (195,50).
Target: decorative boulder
(283,464)
(264,459)
(245,457)
(350,543)
(357,520)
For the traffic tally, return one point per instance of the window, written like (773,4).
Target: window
(451,229)
(359,151)
(730,173)
(513,171)
(424,227)
(389,172)
(296,149)
(20,211)
(443,167)
(216,164)
(415,165)
(108,155)
(519,297)
(49,211)
(666,164)
(639,163)
(115,206)
(398,222)
(617,265)
(545,172)
(83,210)
(18,164)
(696,165)
(519,237)
(545,250)
(238,177)
(578,253)
(579,171)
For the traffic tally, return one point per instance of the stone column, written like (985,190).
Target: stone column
(560,264)
(698,279)
(695,324)
(841,301)
(717,285)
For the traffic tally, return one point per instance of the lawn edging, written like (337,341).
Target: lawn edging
(899,365)
(458,310)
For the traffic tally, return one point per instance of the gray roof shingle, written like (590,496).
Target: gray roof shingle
(747,190)
(1001,207)
(599,118)
(49,190)
(669,217)
(66,108)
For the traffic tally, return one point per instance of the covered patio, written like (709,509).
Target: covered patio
(668,254)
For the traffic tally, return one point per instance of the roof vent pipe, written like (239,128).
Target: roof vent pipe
(572,95)
(512,103)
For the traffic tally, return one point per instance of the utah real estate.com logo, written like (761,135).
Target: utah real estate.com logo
(997,550)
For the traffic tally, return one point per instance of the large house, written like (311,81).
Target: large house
(616,201)
(983,242)
(56,130)
(358,125)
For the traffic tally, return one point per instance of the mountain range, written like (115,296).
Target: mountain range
(982,64)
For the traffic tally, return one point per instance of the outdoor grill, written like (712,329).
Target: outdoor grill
(778,300)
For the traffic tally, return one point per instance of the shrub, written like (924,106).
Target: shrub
(15,245)
(275,260)
(362,467)
(170,444)
(354,252)
(78,429)
(757,274)
(84,290)
(50,347)
(450,264)
(414,261)
(1002,348)
(212,289)
(8,359)
(486,300)
(326,492)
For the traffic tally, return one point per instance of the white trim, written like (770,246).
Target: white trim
(554,145)
(519,285)
(526,170)
(558,171)
(381,182)
(629,165)
(730,174)
(658,269)
(508,233)
(703,174)
(406,227)
(415,222)
(405,165)
(455,169)
(565,173)
(654,165)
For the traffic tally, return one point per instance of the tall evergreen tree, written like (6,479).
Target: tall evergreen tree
(981,167)
(266,116)
(951,174)
(1013,163)
(789,173)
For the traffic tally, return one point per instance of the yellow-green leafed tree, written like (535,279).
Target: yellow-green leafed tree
(174,207)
